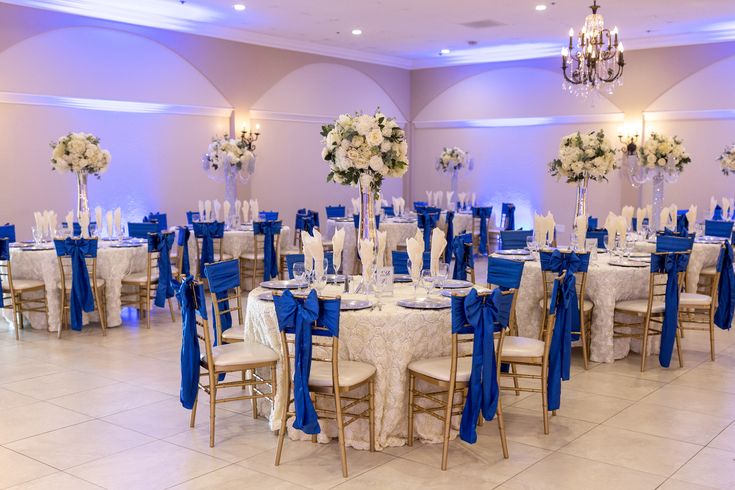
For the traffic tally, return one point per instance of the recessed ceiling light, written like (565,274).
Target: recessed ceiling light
(356,32)
(445,51)
(239,7)
(540,7)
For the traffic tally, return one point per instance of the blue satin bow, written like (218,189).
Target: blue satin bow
(270,261)
(4,255)
(509,210)
(182,240)
(82,297)
(191,299)
(481,314)
(299,317)
(725,288)
(208,232)
(162,243)
(450,233)
(483,214)
(672,264)
(682,225)
(565,303)
(426,221)
(462,256)
(718,213)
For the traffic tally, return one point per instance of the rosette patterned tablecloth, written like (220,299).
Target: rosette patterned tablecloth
(389,339)
(112,265)
(397,233)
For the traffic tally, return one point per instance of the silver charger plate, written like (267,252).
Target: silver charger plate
(448,293)
(640,255)
(709,239)
(335,279)
(283,284)
(355,304)
(126,245)
(624,263)
(36,248)
(401,278)
(425,303)
(344,220)
(517,258)
(456,284)
(265,296)
(518,251)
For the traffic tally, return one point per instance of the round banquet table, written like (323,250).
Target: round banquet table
(704,254)
(398,230)
(606,285)
(389,339)
(112,265)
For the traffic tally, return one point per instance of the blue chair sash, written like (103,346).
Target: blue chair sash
(504,273)
(182,240)
(208,232)
(463,258)
(191,300)
(268,215)
(514,239)
(192,216)
(222,277)
(162,243)
(141,230)
(400,261)
(335,211)
(717,215)
(4,255)
(270,260)
(356,221)
(82,298)
(483,214)
(8,231)
(419,205)
(389,211)
(672,264)
(725,288)
(298,316)
(600,236)
(509,213)
(292,259)
(159,218)
(427,221)
(591,223)
(449,217)
(478,315)
(722,229)
(672,243)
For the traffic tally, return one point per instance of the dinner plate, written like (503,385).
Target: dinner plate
(355,304)
(517,258)
(36,248)
(126,245)
(623,263)
(456,284)
(640,255)
(283,284)
(425,303)
(709,239)
(401,278)
(518,251)
(344,220)
(448,293)
(335,279)
(265,296)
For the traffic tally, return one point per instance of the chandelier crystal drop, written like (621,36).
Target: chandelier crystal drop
(593,61)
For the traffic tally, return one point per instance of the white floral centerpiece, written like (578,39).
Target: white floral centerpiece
(228,153)
(584,156)
(79,153)
(664,152)
(452,159)
(364,147)
(362,150)
(727,160)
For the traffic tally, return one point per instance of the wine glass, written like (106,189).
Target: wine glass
(37,234)
(299,271)
(415,278)
(442,274)
(320,282)
(427,281)
(382,276)
(530,243)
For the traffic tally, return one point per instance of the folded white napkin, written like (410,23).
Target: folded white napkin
(450,194)
(539,228)
(611,225)
(316,250)
(627,213)
(640,215)
(53,222)
(226,209)
(38,218)
(382,240)
(98,219)
(396,206)
(109,219)
(355,205)
(673,214)
(338,243)
(118,221)
(474,199)
(429,197)
(403,205)
(238,207)
(367,256)
(462,198)
(438,244)
(217,210)
(438,199)
(663,218)
(245,212)
(622,230)
(712,206)
(306,250)
(254,209)
(649,214)
(70,220)
(84,224)
(202,216)
(692,216)
(581,232)
(47,222)
(419,236)
(207,210)
(415,249)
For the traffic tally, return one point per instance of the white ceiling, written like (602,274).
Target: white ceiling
(410,33)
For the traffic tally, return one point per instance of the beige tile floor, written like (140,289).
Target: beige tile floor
(89,411)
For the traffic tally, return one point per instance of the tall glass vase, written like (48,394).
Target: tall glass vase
(367,229)
(82,196)
(658,198)
(230,188)
(580,208)
(455,180)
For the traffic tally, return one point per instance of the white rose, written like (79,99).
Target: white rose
(661,162)
(353,155)
(375,138)
(357,141)
(376,163)
(386,146)
(364,124)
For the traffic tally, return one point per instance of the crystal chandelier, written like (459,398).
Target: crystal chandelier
(597,64)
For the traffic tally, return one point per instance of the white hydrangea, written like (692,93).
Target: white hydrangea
(80,153)
(584,155)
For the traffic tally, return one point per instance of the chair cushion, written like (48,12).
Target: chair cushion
(439,368)
(252,256)
(140,277)
(693,299)
(100,283)
(516,346)
(235,333)
(708,271)
(639,306)
(21,284)
(241,353)
(350,373)
(217,257)
(588,305)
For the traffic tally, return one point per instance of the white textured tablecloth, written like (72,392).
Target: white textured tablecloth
(112,265)
(389,340)
(462,222)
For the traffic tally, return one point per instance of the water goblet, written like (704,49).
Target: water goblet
(415,278)
(320,282)
(530,243)
(427,281)
(37,235)
(442,274)
(298,273)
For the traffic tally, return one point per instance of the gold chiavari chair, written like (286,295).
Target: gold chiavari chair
(530,353)
(649,313)
(697,309)
(97,284)
(450,376)
(219,254)
(585,305)
(232,358)
(251,263)
(142,285)
(24,295)
(330,380)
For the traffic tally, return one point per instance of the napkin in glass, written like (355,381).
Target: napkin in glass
(438,244)
(338,242)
